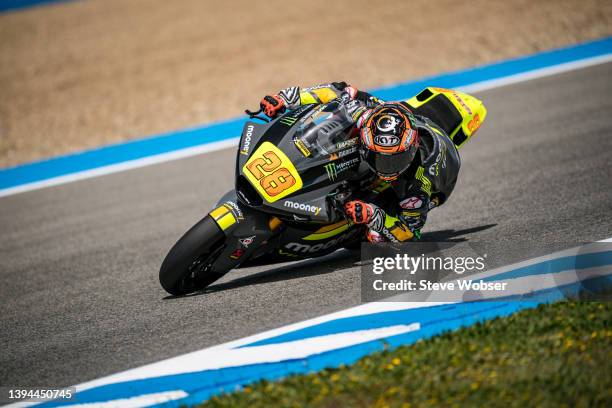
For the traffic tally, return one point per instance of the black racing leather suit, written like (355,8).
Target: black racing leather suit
(426,184)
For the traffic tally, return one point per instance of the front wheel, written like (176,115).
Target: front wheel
(186,268)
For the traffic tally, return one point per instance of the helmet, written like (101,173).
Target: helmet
(389,139)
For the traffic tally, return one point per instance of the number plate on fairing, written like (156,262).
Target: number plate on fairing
(271,172)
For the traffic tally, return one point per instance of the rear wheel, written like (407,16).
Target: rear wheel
(187,266)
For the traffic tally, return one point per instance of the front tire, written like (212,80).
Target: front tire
(185,268)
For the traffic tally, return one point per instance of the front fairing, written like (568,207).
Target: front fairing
(316,144)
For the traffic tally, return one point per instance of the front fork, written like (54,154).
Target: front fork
(247,232)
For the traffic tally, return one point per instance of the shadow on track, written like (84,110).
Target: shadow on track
(450,235)
(326,264)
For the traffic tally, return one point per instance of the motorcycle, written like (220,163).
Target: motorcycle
(293,176)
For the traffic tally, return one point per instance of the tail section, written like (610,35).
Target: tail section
(460,115)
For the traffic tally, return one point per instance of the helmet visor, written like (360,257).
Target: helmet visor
(389,165)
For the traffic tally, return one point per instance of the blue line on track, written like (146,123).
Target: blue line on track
(182,139)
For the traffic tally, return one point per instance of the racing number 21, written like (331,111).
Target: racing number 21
(272,179)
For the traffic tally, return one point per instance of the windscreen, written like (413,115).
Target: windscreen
(324,130)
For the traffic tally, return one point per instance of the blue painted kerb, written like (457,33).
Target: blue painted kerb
(13,5)
(182,139)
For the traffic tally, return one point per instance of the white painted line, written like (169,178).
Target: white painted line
(211,358)
(228,355)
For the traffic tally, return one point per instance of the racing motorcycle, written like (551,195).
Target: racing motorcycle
(293,175)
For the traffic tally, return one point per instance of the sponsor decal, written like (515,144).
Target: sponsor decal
(288,120)
(302,147)
(285,253)
(332,172)
(434,169)
(474,124)
(411,203)
(456,96)
(346,152)
(307,248)
(247,241)
(386,140)
(247,140)
(235,209)
(342,153)
(462,103)
(237,253)
(347,164)
(313,209)
(347,143)
(333,169)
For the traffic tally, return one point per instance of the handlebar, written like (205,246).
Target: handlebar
(254,115)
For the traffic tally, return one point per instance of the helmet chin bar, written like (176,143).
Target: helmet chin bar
(387,177)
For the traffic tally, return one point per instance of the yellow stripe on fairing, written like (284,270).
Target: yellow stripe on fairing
(226,221)
(328,231)
(219,212)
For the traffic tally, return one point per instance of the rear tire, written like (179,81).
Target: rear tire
(184,268)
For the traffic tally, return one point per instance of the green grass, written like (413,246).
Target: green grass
(553,356)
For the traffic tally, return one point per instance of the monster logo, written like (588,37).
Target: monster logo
(332,171)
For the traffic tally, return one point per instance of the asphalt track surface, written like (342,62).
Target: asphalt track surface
(80,297)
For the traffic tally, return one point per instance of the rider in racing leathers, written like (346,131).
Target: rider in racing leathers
(408,152)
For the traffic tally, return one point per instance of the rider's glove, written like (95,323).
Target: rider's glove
(272,105)
(359,212)
(350,93)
